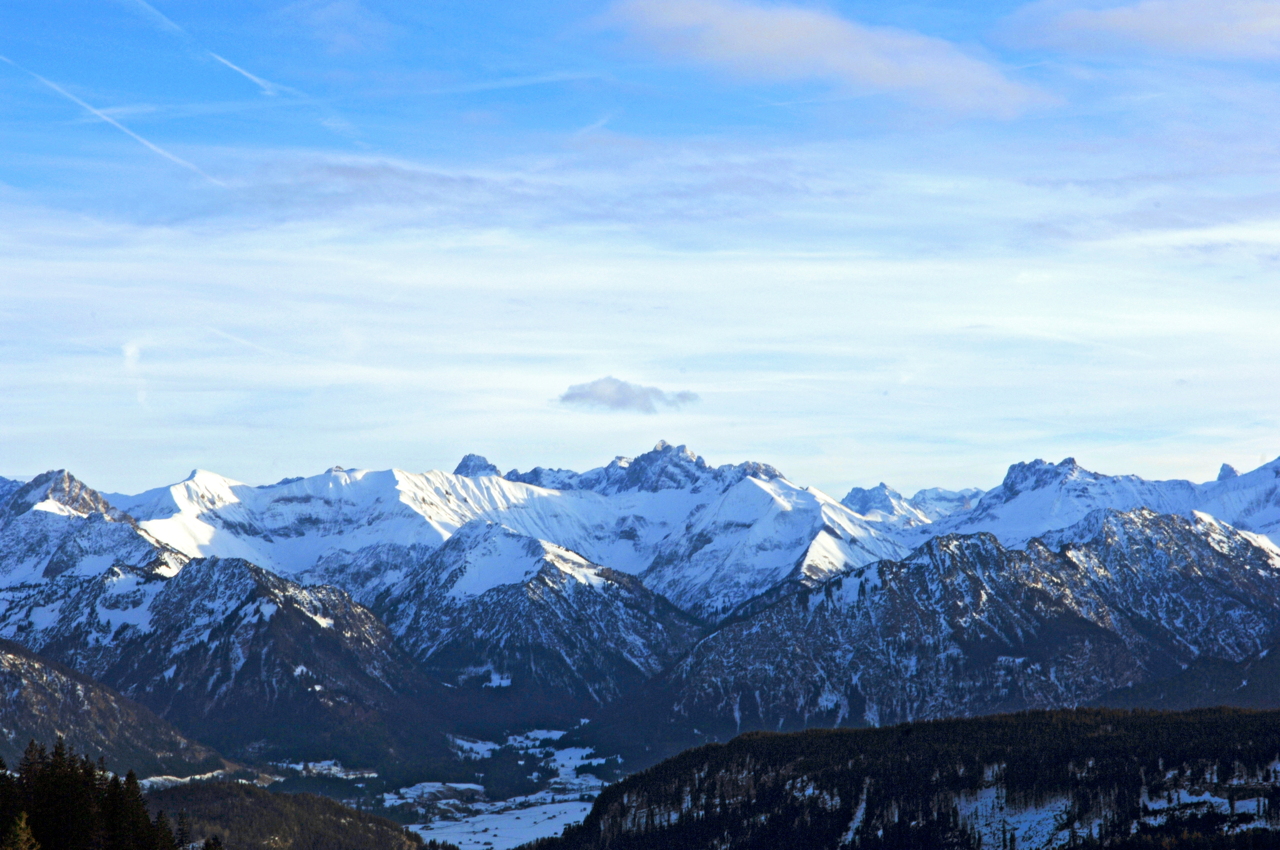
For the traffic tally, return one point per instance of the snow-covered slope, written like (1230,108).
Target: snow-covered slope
(1249,501)
(756,534)
(1039,497)
(497,609)
(55,524)
(885,505)
(722,533)
(937,502)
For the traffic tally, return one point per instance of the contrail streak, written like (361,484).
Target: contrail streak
(158,17)
(163,21)
(114,123)
(267,87)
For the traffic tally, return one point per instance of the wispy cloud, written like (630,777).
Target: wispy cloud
(345,26)
(517,82)
(155,16)
(152,146)
(612,394)
(784,42)
(1245,29)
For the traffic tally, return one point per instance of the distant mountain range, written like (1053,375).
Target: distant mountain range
(362,615)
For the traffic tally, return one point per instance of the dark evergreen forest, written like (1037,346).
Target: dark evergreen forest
(57,800)
(901,787)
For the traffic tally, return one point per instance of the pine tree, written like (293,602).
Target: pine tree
(137,832)
(182,837)
(19,836)
(164,839)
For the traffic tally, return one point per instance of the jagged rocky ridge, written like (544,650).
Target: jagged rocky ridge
(967,626)
(709,599)
(571,636)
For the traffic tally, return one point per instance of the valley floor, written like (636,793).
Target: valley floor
(505,828)
(461,819)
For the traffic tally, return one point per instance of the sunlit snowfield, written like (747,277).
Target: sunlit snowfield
(511,822)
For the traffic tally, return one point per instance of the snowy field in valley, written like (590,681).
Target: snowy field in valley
(468,821)
(504,830)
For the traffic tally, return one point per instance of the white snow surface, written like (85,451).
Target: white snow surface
(508,823)
(503,830)
(759,527)
(1038,497)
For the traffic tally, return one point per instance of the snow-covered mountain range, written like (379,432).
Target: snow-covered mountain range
(270,618)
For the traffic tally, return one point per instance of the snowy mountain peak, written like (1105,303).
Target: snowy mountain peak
(59,491)
(484,555)
(881,499)
(474,466)
(666,467)
(670,467)
(878,498)
(1228,472)
(937,502)
(1036,475)
(883,504)
(540,476)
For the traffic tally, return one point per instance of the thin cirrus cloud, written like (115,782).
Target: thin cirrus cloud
(612,394)
(792,43)
(1240,29)
(344,26)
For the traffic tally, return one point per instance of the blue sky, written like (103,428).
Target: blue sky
(910,242)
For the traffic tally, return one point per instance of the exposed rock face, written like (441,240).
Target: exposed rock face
(498,609)
(474,466)
(242,658)
(966,626)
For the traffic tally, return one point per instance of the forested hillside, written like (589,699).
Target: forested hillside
(57,800)
(1028,780)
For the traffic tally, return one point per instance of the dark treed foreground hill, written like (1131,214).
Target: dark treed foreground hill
(56,800)
(1092,778)
(44,700)
(245,817)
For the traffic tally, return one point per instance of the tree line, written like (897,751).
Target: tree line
(57,800)
(899,787)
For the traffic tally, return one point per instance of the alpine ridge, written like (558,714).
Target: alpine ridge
(366,616)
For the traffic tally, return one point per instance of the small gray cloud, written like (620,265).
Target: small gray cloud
(612,394)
